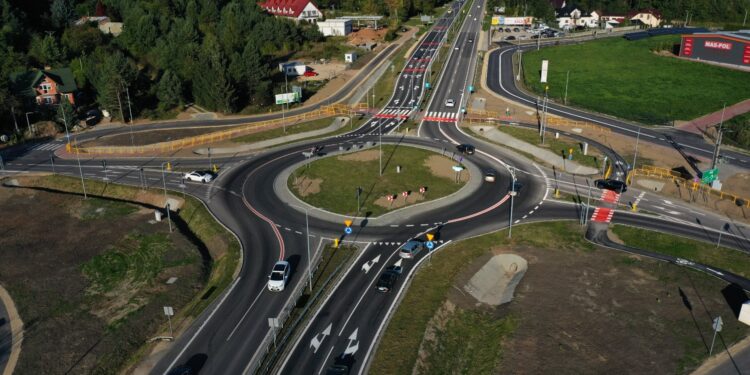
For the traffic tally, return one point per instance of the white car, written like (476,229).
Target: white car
(490,175)
(279,276)
(199,176)
(450,103)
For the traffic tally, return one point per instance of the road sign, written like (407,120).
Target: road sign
(274,323)
(423,189)
(348,223)
(405,194)
(471,88)
(427,85)
(429,245)
(348,230)
(390,197)
(168,311)
(429,236)
(718,324)
(710,175)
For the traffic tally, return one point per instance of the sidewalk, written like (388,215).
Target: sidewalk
(701,124)
(545,155)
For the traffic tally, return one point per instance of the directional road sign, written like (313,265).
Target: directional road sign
(348,230)
(710,175)
(429,236)
(429,245)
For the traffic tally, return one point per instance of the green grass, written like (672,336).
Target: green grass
(738,131)
(398,350)
(137,259)
(97,208)
(290,129)
(557,146)
(342,177)
(470,343)
(626,79)
(696,251)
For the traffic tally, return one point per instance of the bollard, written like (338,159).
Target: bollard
(634,207)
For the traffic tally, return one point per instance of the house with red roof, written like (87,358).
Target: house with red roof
(299,10)
(648,17)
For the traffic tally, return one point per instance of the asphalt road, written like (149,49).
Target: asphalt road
(226,337)
(501,80)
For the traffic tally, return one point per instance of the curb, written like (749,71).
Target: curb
(16,330)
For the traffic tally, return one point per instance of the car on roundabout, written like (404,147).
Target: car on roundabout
(279,276)
(411,248)
(611,184)
(199,176)
(490,175)
(466,148)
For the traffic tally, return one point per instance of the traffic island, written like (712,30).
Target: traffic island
(351,184)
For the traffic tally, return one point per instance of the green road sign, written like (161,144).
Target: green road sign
(710,175)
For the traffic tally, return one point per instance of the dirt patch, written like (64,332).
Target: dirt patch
(588,312)
(367,155)
(307,186)
(433,330)
(400,201)
(442,167)
(366,35)
(325,71)
(738,184)
(43,270)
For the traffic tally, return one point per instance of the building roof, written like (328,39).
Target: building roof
(743,35)
(651,11)
(25,83)
(286,8)
(557,4)
(568,9)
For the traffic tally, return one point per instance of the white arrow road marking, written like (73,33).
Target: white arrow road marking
(366,267)
(398,264)
(353,345)
(315,343)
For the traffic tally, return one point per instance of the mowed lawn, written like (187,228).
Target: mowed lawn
(330,183)
(632,81)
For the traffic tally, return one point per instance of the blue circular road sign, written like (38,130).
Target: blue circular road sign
(348,230)
(430,245)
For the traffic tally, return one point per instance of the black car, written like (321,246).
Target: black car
(611,184)
(466,149)
(388,279)
(510,38)
(92,117)
(338,370)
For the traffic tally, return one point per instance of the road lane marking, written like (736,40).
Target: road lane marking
(245,314)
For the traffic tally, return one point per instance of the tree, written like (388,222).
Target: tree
(46,50)
(66,114)
(169,90)
(81,40)
(63,12)
(212,86)
(110,72)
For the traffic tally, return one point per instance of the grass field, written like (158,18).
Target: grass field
(557,146)
(290,129)
(629,80)
(697,251)
(338,177)
(578,309)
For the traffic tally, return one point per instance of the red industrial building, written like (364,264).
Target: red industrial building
(731,48)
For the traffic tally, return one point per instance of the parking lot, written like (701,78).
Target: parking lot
(512,33)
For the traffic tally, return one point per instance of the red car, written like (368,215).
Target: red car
(310,73)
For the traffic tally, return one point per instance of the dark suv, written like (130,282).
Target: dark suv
(388,278)
(611,184)
(466,149)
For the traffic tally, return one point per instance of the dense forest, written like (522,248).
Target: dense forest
(219,54)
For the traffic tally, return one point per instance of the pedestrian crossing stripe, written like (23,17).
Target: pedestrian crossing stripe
(46,146)
(441,116)
(610,196)
(602,215)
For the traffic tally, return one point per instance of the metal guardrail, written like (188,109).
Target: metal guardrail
(168,146)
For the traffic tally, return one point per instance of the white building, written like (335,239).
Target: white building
(335,27)
(350,57)
(299,10)
(292,68)
(570,17)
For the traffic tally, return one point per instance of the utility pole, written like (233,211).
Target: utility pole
(307,234)
(635,157)
(28,124)
(78,158)
(166,200)
(380,145)
(13,113)
(520,65)
(744,19)
(512,195)
(130,110)
(718,139)
(567,78)
(686,17)
(544,113)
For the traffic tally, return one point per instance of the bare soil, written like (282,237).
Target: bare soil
(366,35)
(595,312)
(70,327)
(307,186)
(442,167)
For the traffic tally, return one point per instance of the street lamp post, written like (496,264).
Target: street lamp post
(130,110)
(588,203)
(78,157)
(28,124)
(635,157)
(380,144)
(307,234)
(512,195)
(166,200)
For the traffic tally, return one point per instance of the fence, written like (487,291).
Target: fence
(651,171)
(484,116)
(168,146)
